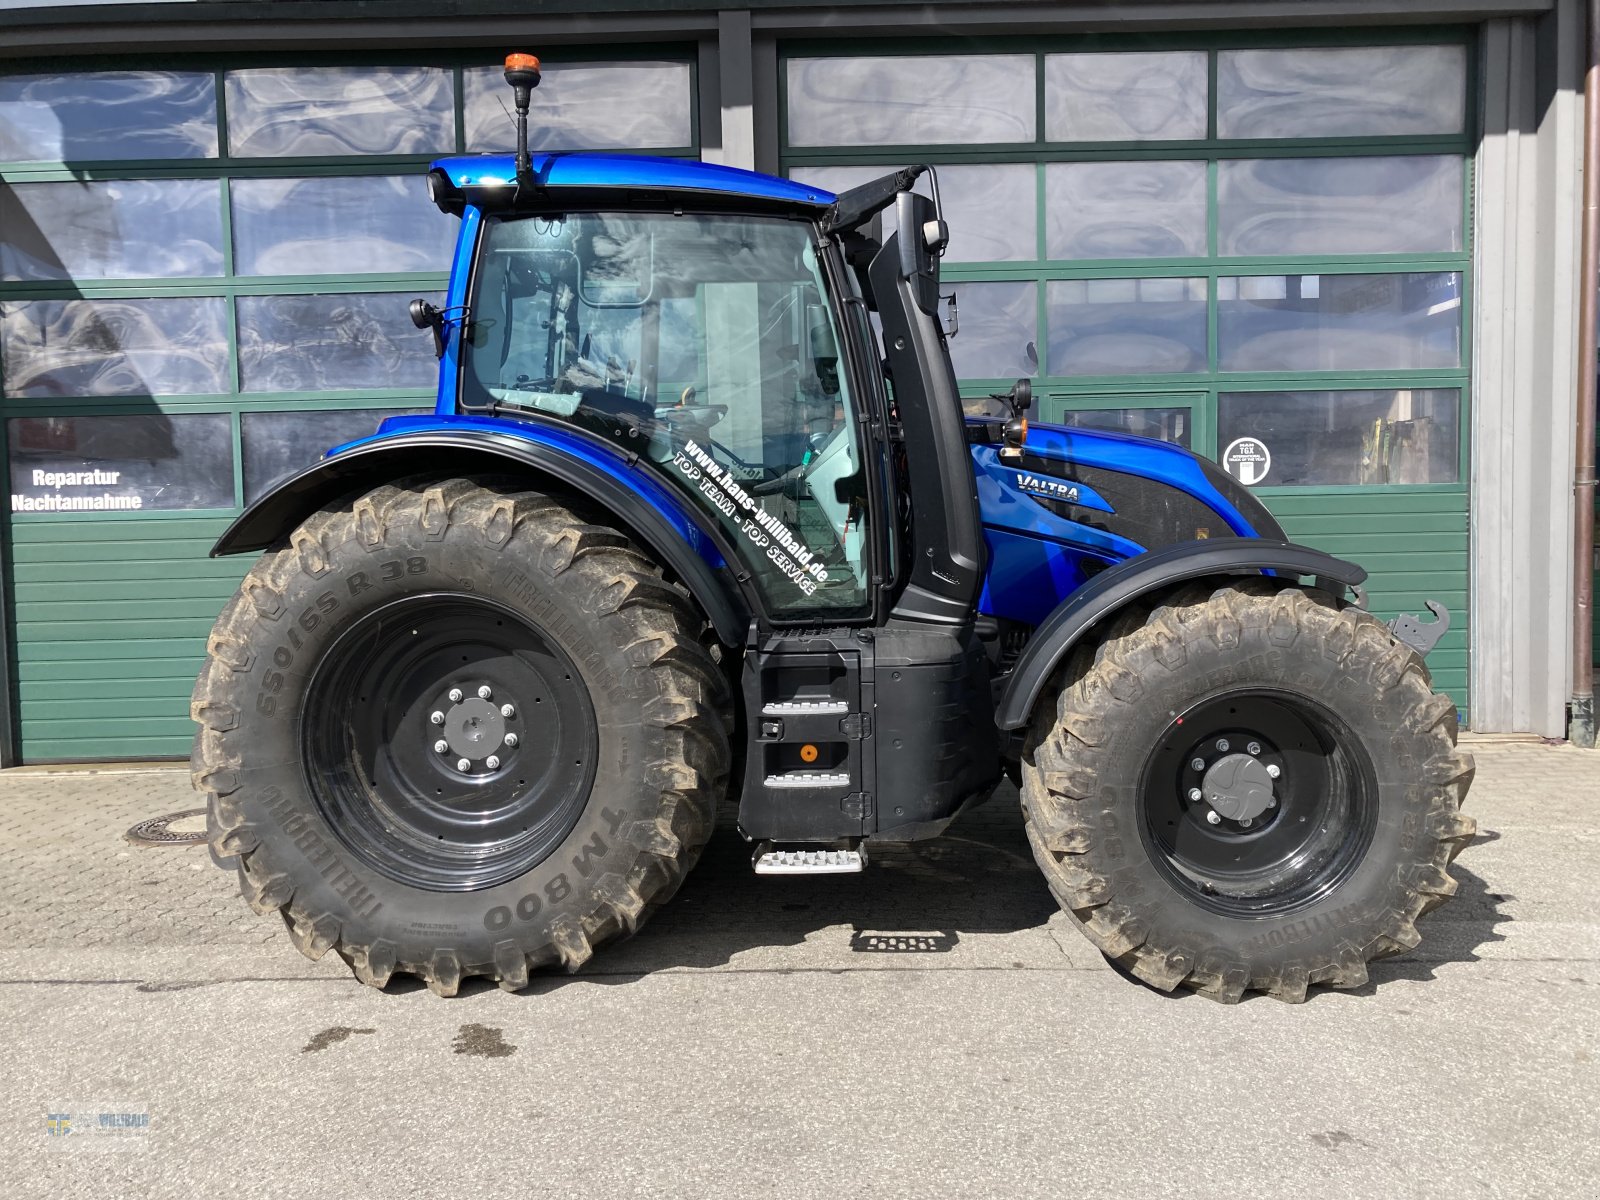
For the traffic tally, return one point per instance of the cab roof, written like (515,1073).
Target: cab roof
(489,179)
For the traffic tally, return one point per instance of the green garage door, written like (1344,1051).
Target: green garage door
(1255,246)
(203,284)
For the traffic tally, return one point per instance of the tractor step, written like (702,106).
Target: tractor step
(808,779)
(809,860)
(803,708)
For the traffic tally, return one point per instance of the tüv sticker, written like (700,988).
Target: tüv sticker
(1248,460)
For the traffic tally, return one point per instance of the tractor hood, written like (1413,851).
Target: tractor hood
(1129,463)
(1079,500)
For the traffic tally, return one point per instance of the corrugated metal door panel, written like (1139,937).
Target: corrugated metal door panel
(1414,547)
(107,544)
(111,620)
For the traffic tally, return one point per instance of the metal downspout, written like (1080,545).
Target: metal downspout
(1580,720)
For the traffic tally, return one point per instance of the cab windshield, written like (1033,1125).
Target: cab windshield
(705,344)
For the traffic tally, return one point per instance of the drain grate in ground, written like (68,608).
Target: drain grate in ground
(158,831)
(863,942)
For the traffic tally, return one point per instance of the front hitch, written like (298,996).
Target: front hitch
(1422,636)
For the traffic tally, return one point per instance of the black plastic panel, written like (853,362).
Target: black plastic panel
(937,744)
(946,546)
(912,733)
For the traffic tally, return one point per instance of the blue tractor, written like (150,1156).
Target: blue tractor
(699,520)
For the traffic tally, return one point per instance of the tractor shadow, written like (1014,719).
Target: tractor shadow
(1454,933)
(921,898)
(1451,934)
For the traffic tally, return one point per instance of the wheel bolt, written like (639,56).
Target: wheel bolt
(441,746)
(1194,793)
(1272,802)
(1222,745)
(1253,749)
(455,695)
(492,762)
(1274,770)
(463,764)
(508,710)
(484,692)
(1198,764)
(1246,822)
(511,740)
(437,718)
(1212,818)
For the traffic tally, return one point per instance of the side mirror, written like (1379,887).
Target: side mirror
(918,262)
(1021,396)
(429,316)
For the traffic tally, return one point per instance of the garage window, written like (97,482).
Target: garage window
(141,462)
(187,242)
(1175,226)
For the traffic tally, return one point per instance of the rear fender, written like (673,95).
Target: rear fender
(453,446)
(1116,587)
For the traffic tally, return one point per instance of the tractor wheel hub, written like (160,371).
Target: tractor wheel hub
(474,729)
(1238,787)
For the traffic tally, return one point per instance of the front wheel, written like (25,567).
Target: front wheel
(458,730)
(1252,787)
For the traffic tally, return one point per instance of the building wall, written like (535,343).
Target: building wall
(1527,214)
(266,341)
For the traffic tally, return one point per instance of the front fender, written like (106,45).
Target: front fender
(451,446)
(1120,585)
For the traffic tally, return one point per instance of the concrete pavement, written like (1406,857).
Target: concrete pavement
(932,1028)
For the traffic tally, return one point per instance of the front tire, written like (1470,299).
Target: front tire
(1253,787)
(455,730)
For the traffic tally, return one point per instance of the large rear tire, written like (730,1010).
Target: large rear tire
(1252,787)
(456,730)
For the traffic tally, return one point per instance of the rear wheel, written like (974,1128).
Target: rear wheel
(454,731)
(1252,787)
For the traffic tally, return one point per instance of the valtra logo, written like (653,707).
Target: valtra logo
(1047,488)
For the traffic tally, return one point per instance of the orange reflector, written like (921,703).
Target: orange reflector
(522,62)
(808,753)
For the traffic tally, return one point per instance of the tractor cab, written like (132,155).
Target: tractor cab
(707,345)
(720,326)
